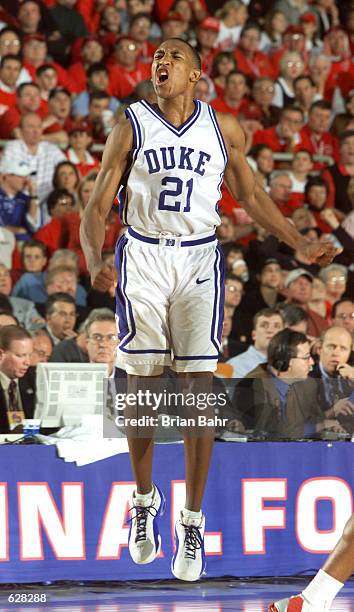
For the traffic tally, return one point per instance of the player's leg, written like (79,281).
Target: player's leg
(196,316)
(197,452)
(143,351)
(148,501)
(320,593)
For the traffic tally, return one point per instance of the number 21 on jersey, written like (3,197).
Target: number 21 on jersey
(176,189)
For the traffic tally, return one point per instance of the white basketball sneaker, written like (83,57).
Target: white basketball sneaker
(188,562)
(144,538)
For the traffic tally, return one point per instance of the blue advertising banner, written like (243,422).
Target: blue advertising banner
(271,509)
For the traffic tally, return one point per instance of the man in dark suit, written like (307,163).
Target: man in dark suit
(17,388)
(335,377)
(278,398)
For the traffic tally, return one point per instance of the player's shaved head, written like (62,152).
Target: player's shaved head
(197,64)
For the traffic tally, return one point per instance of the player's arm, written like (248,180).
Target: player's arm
(92,229)
(242,185)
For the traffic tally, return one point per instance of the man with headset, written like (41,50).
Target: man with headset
(281,400)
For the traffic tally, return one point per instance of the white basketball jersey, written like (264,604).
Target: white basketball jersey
(173,181)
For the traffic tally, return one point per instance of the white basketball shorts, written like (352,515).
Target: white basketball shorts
(170,302)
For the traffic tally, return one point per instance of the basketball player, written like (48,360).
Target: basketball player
(169,160)
(320,593)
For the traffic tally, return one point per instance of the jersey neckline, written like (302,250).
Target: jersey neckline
(184,127)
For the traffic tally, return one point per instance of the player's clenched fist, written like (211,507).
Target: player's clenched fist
(103,277)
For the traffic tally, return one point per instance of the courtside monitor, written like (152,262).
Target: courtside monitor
(67,391)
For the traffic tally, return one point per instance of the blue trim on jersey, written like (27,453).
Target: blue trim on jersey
(137,352)
(184,243)
(218,134)
(137,144)
(182,129)
(195,357)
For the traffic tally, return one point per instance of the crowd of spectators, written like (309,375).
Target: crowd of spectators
(284,68)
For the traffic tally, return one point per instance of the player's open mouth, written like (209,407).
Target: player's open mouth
(161,76)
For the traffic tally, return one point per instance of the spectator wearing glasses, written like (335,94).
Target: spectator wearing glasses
(291,66)
(17,391)
(102,340)
(342,314)
(126,71)
(335,279)
(261,107)
(267,323)
(60,316)
(335,376)
(10,44)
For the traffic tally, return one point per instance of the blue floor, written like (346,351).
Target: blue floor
(169,596)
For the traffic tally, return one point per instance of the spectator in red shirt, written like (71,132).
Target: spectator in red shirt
(47,79)
(10,68)
(286,135)
(172,25)
(207,34)
(291,66)
(293,41)
(80,141)
(249,59)
(337,47)
(280,192)
(66,176)
(315,135)
(35,55)
(260,108)
(58,122)
(233,101)
(127,71)
(28,100)
(140,31)
(91,53)
(59,203)
(339,175)
(305,93)
(224,62)
(316,195)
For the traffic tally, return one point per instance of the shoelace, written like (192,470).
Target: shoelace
(141,517)
(192,541)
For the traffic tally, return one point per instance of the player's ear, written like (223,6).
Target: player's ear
(195,76)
